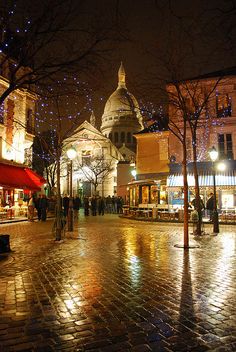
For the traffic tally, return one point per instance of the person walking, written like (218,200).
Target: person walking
(44,207)
(101,206)
(65,203)
(94,206)
(31,206)
(120,204)
(210,206)
(109,204)
(37,206)
(76,206)
(86,206)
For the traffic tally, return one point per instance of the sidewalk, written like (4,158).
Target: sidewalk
(117,285)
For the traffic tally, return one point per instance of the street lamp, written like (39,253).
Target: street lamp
(71,153)
(214,155)
(134,173)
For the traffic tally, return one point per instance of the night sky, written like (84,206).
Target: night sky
(157,41)
(189,37)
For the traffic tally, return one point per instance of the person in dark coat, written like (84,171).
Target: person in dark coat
(86,206)
(210,205)
(65,203)
(101,206)
(202,207)
(94,206)
(43,204)
(76,206)
(37,206)
(120,204)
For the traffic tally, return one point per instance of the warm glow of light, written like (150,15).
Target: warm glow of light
(71,153)
(221,167)
(213,154)
(134,173)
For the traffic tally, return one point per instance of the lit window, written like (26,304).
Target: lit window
(223,105)
(225,146)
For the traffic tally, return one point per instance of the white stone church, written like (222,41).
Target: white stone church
(98,151)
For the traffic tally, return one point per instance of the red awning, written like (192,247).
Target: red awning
(20,177)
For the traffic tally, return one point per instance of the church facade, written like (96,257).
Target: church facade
(112,144)
(94,169)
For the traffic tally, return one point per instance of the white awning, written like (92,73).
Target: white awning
(222,180)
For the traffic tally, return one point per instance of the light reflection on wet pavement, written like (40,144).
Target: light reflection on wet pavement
(117,285)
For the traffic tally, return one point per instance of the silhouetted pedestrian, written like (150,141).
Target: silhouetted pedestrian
(101,205)
(37,206)
(76,206)
(86,206)
(43,204)
(65,203)
(210,205)
(94,206)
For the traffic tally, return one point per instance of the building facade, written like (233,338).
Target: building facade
(95,164)
(215,128)
(17,114)
(160,153)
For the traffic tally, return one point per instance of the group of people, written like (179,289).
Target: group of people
(209,205)
(101,205)
(76,204)
(39,203)
(93,205)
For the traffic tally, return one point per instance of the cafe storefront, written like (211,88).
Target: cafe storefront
(225,187)
(17,183)
(146,192)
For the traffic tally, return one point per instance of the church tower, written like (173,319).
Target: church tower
(121,117)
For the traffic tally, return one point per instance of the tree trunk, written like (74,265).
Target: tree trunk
(58,212)
(197,192)
(185,181)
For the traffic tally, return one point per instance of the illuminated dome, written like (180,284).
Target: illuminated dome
(121,117)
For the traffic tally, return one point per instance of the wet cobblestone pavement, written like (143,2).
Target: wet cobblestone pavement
(117,285)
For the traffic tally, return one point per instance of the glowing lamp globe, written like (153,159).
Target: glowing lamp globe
(71,153)
(213,154)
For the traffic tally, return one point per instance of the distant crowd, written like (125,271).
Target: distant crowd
(95,205)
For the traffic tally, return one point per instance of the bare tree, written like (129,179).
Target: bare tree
(43,157)
(96,170)
(47,39)
(184,53)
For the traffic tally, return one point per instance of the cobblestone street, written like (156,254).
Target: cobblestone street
(117,285)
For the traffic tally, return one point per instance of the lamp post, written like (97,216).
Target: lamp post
(214,155)
(71,153)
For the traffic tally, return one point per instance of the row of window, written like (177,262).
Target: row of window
(122,117)
(225,147)
(121,137)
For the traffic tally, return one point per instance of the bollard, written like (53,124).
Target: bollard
(5,243)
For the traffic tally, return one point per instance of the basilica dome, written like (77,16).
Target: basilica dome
(121,101)
(121,117)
